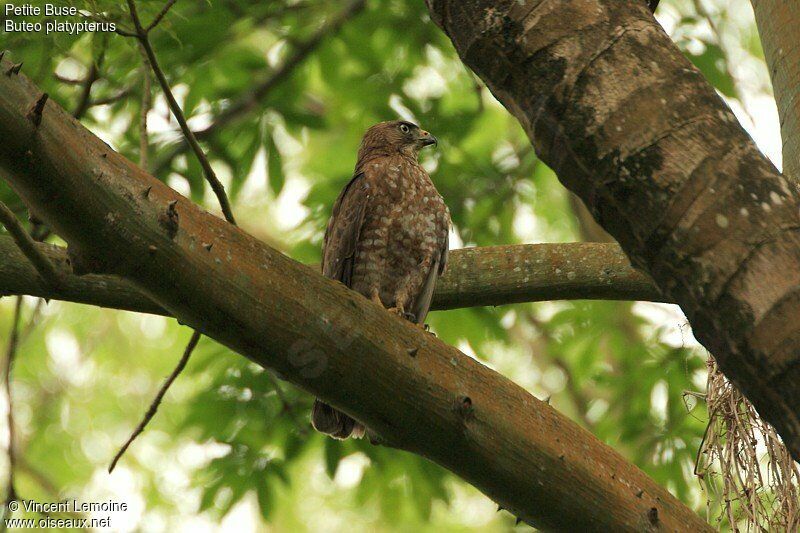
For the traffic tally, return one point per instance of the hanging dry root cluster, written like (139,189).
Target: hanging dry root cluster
(743,464)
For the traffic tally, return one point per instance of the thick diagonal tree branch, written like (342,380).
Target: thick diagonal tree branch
(779,28)
(628,124)
(413,390)
(496,275)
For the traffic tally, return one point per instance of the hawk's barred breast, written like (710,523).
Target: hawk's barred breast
(404,230)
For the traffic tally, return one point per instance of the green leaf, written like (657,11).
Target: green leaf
(278,468)
(333,455)
(275,174)
(712,63)
(266,499)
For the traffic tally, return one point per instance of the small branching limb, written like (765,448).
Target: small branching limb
(142,34)
(84,100)
(151,62)
(15,460)
(116,97)
(43,265)
(151,411)
(208,171)
(249,100)
(146,105)
(161,15)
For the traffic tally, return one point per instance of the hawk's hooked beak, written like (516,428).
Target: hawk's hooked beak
(428,139)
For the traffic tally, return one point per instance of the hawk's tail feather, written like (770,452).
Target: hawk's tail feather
(338,425)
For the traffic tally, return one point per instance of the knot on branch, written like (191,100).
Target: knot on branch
(14,69)
(169,219)
(652,516)
(35,112)
(464,408)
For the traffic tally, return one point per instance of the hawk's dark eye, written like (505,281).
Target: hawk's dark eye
(404,128)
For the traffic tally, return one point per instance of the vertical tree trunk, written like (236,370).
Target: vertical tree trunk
(779,28)
(629,125)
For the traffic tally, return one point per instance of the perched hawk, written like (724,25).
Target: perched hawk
(387,237)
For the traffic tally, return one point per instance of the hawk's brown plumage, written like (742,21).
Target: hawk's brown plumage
(387,236)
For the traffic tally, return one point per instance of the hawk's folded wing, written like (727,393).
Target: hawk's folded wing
(344,229)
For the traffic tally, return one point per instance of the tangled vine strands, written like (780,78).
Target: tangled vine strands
(743,464)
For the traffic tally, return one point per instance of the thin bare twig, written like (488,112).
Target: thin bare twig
(43,265)
(161,15)
(15,337)
(116,97)
(249,100)
(150,58)
(151,411)
(211,176)
(150,62)
(84,101)
(146,105)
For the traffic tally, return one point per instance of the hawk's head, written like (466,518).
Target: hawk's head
(395,136)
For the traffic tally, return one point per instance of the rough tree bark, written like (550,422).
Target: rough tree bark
(629,125)
(779,28)
(416,392)
(477,276)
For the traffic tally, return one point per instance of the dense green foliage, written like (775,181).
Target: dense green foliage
(224,435)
